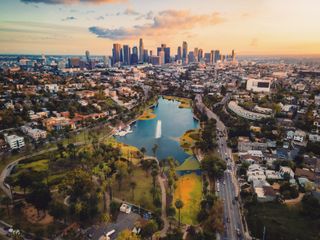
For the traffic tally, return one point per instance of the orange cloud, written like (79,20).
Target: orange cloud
(164,23)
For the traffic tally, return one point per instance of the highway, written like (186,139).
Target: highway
(228,186)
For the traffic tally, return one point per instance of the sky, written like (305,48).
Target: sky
(251,27)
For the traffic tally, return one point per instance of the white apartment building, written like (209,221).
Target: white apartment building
(14,141)
(258,85)
(36,134)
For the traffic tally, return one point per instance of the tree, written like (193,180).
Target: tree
(154,149)
(5,200)
(310,206)
(143,151)
(40,197)
(214,166)
(122,171)
(149,229)
(154,174)
(58,211)
(127,235)
(146,165)
(179,204)
(25,180)
(72,150)
(133,186)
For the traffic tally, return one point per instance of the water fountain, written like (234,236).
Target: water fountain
(158,129)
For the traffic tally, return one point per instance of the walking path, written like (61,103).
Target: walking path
(165,228)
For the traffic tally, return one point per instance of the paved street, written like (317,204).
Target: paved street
(228,184)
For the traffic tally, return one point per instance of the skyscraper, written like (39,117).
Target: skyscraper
(196,52)
(145,56)
(134,56)
(141,50)
(216,55)
(88,56)
(233,55)
(179,53)
(184,51)
(126,55)
(116,53)
(166,51)
(162,57)
(200,54)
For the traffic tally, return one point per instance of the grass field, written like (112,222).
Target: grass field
(184,102)
(281,222)
(142,194)
(127,151)
(189,191)
(147,115)
(188,139)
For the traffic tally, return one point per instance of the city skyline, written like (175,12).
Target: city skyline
(71,27)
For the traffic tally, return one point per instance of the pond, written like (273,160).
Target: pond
(170,124)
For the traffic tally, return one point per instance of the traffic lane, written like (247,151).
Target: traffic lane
(230,191)
(235,210)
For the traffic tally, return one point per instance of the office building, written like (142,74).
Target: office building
(200,54)
(145,56)
(217,56)
(134,56)
(179,54)
(155,60)
(74,62)
(184,51)
(162,57)
(116,53)
(195,53)
(88,56)
(141,50)
(191,57)
(126,55)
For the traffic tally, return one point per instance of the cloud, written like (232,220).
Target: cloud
(69,18)
(72,1)
(164,23)
(100,18)
(130,11)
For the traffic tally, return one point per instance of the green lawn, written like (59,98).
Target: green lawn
(189,190)
(41,165)
(281,222)
(142,194)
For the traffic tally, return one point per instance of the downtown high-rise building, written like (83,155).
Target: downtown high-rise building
(184,51)
(134,56)
(126,55)
(116,53)
(88,56)
(200,54)
(141,50)
(195,53)
(217,56)
(166,51)
(179,53)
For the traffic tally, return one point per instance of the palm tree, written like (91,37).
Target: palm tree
(154,174)
(143,151)
(133,186)
(179,204)
(154,149)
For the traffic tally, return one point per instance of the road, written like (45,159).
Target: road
(228,186)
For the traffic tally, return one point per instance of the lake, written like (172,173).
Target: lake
(169,125)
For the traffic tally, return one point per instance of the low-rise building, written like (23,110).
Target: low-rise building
(14,141)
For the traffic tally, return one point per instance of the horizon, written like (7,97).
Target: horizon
(54,27)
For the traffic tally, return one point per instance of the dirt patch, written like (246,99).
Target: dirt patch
(32,215)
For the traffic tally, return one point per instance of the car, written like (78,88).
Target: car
(228,220)
(238,232)
(233,202)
